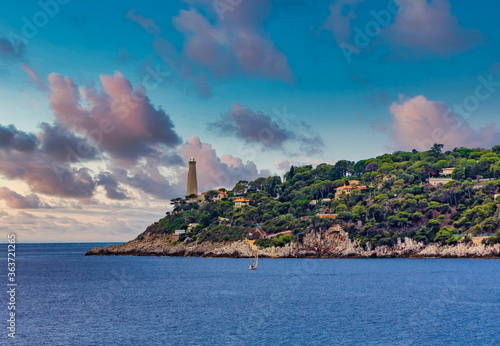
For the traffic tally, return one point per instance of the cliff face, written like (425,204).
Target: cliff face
(332,243)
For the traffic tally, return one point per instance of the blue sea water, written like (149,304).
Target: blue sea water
(64,298)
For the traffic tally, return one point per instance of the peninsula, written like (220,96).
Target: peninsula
(405,204)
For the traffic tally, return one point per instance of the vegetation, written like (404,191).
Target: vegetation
(397,203)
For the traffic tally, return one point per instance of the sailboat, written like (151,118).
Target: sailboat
(255,261)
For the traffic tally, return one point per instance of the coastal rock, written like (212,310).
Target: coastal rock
(331,243)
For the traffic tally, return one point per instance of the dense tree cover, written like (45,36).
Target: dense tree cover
(398,202)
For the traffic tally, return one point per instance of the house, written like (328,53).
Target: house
(241,202)
(324,216)
(220,195)
(179,231)
(191,226)
(343,190)
(353,182)
(437,181)
(447,171)
(347,189)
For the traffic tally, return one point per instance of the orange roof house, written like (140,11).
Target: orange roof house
(241,202)
(347,189)
(220,195)
(325,216)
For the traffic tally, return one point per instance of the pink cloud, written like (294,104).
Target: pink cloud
(429,27)
(237,44)
(222,47)
(33,77)
(418,123)
(120,120)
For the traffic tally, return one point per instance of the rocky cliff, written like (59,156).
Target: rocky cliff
(332,243)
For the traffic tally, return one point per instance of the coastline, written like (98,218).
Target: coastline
(332,243)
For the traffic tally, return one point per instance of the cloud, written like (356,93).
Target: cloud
(429,27)
(284,165)
(235,45)
(148,24)
(9,51)
(17,201)
(117,126)
(258,128)
(418,123)
(64,146)
(149,180)
(220,46)
(12,138)
(120,120)
(251,127)
(33,77)
(45,176)
(214,172)
(111,186)
(342,12)
(21,158)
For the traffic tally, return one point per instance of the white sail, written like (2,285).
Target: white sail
(254,262)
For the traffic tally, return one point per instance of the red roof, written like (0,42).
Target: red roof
(220,192)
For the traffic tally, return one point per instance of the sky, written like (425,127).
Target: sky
(103,104)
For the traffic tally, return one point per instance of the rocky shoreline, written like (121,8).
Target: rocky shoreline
(332,243)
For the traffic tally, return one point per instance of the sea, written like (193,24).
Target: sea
(65,298)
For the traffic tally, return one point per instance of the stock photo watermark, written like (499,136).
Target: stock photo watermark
(485,88)
(364,35)
(11,285)
(223,6)
(31,25)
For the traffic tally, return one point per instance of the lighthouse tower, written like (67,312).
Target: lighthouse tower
(192,186)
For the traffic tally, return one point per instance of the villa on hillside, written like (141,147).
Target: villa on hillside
(241,202)
(447,171)
(347,189)
(220,195)
(437,181)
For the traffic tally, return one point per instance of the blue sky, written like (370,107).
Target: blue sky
(251,88)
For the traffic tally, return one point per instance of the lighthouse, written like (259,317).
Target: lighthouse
(192,185)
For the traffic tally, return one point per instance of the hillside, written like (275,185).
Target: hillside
(433,198)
